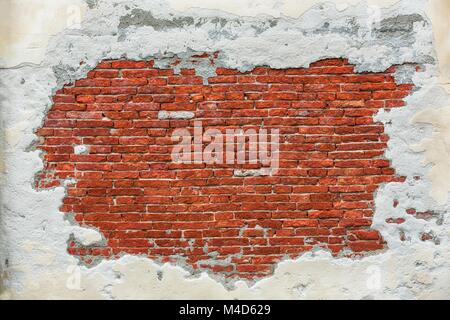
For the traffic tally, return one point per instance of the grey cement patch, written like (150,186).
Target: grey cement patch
(92,3)
(399,26)
(141,18)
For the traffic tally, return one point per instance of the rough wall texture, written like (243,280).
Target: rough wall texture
(209,215)
(92,206)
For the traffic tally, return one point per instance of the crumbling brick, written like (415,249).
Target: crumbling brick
(240,225)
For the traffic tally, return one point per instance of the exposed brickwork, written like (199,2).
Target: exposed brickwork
(331,162)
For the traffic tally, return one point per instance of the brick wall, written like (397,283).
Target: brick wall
(127,186)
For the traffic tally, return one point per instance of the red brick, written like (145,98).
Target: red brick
(331,162)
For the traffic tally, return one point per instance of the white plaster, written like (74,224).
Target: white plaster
(175,115)
(252,173)
(80,149)
(87,237)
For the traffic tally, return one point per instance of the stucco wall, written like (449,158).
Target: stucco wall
(46,44)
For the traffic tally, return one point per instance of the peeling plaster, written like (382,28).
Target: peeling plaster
(86,236)
(26,26)
(33,256)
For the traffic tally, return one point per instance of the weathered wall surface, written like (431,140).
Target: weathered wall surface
(49,44)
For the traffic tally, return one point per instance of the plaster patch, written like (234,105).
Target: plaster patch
(252,173)
(87,237)
(81,149)
(175,115)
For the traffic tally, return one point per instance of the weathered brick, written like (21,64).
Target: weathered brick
(331,162)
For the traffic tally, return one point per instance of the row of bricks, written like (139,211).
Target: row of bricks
(305,218)
(238,100)
(209,115)
(350,234)
(153,207)
(288,245)
(260,90)
(208,111)
(263,251)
